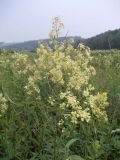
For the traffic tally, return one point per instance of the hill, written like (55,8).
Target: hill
(106,40)
(103,41)
(32,45)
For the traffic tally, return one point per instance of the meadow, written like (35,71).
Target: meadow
(60,103)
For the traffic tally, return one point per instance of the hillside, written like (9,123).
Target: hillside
(106,40)
(3,45)
(32,45)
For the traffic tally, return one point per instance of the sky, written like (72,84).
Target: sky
(23,20)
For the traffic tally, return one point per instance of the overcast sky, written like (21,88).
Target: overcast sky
(22,20)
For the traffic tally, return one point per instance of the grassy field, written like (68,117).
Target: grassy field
(54,107)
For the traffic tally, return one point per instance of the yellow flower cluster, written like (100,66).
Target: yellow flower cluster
(98,104)
(80,114)
(60,77)
(57,76)
(3,105)
(19,62)
(66,72)
(76,112)
(32,87)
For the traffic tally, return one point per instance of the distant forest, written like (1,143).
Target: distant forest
(104,41)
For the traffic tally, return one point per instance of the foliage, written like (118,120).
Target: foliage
(49,109)
(107,64)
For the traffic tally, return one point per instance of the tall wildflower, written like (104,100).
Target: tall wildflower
(61,79)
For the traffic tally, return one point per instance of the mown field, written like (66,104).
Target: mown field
(60,104)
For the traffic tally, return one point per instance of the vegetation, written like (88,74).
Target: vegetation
(105,41)
(54,105)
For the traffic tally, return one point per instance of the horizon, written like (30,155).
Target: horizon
(26,20)
(59,37)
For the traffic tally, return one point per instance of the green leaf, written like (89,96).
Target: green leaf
(75,157)
(71,142)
